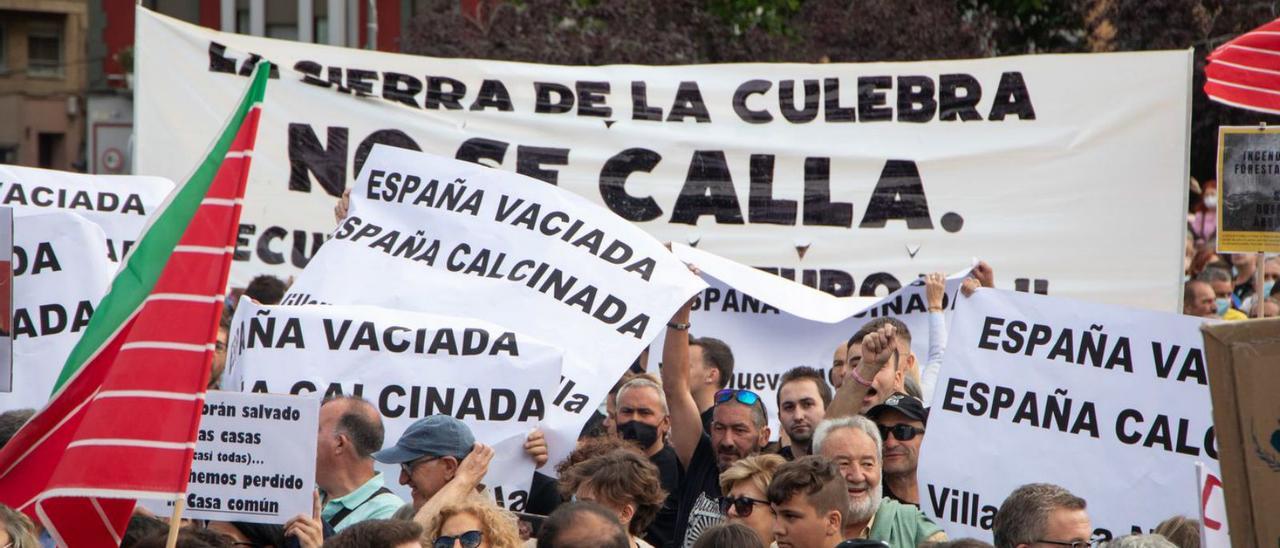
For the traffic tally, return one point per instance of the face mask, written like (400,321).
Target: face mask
(1211,201)
(1266,288)
(1223,303)
(639,432)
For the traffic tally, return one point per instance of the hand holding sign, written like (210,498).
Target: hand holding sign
(308,531)
(935,287)
(536,447)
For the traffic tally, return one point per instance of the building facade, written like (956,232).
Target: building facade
(42,82)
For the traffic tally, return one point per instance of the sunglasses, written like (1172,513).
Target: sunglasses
(407,467)
(901,432)
(744,397)
(1075,544)
(742,506)
(469,539)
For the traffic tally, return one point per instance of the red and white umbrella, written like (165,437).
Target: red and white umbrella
(1245,72)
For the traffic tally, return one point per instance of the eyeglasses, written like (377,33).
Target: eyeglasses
(1073,544)
(744,397)
(469,539)
(902,432)
(742,506)
(407,467)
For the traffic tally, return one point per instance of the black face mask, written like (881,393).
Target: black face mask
(643,434)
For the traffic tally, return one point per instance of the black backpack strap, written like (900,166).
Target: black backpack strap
(342,514)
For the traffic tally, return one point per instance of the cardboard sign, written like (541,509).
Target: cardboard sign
(409,366)
(438,235)
(1248,190)
(1244,371)
(255,459)
(862,175)
(1109,402)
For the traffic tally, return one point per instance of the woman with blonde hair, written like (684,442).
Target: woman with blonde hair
(745,484)
(17,530)
(474,523)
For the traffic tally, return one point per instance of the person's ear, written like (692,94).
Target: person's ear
(627,512)
(834,523)
(450,465)
(764,437)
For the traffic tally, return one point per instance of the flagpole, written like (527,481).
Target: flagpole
(175,523)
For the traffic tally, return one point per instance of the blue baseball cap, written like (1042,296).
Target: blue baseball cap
(434,436)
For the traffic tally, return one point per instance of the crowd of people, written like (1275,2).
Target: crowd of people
(674,460)
(1221,285)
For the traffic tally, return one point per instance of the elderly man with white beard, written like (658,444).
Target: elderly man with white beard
(853,444)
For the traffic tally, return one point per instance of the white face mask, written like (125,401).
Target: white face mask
(1211,201)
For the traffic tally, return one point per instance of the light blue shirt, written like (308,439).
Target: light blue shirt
(381,506)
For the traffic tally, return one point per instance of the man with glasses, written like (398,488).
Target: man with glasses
(739,428)
(1042,515)
(901,420)
(429,453)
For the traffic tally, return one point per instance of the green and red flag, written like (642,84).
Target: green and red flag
(122,421)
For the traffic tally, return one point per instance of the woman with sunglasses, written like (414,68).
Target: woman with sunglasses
(745,484)
(475,523)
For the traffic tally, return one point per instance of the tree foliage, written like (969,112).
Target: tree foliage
(662,32)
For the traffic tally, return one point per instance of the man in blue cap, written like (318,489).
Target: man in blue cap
(429,453)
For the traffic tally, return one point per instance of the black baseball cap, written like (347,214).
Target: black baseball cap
(908,405)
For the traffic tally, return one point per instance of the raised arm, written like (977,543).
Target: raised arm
(877,348)
(935,287)
(470,473)
(686,422)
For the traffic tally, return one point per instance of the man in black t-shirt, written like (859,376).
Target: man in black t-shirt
(739,428)
(642,418)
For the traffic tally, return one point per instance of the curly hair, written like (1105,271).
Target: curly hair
(499,526)
(619,478)
(591,447)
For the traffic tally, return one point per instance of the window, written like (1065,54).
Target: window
(8,154)
(44,50)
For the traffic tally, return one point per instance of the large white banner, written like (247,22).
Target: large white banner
(120,204)
(60,272)
(803,328)
(448,237)
(860,176)
(409,365)
(1111,403)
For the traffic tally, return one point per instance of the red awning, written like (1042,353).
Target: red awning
(1245,72)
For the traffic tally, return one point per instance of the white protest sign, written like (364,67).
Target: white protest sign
(409,366)
(1111,403)
(1214,532)
(61,271)
(255,459)
(448,237)
(804,328)
(120,204)
(917,166)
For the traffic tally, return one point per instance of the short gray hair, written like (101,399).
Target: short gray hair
(856,422)
(1214,274)
(1140,541)
(1022,516)
(649,383)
